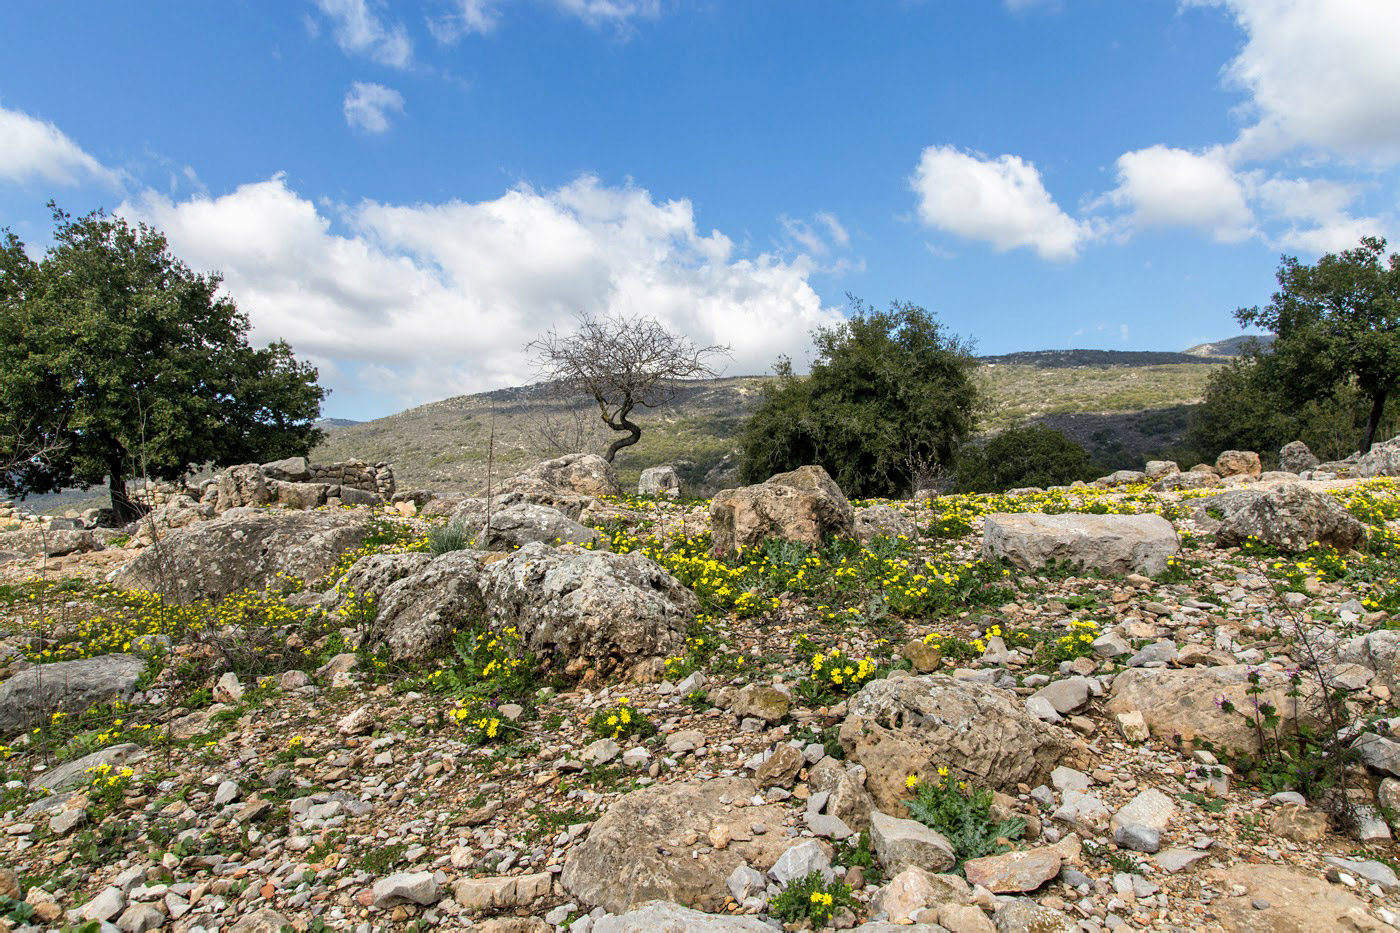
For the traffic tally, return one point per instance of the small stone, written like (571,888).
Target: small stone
(1138,838)
(407,887)
(901,844)
(228,689)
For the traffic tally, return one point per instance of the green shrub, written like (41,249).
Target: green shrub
(963,814)
(811,898)
(1022,456)
(890,397)
(444,539)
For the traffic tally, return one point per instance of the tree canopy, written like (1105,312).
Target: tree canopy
(889,400)
(1337,324)
(1032,455)
(118,360)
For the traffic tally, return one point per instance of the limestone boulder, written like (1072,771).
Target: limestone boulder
(1185,702)
(244,548)
(1290,517)
(913,725)
(1176,482)
(883,521)
(589,608)
(292,495)
(637,852)
(1382,459)
(179,511)
(1112,544)
(660,481)
(805,506)
(419,612)
(36,693)
(31,542)
(583,474)
(513,526)
(1297,900)
(289,470)
(665,917)
(372,575)
(241,486)
(1378,651)
(1239,463)
(1295,457)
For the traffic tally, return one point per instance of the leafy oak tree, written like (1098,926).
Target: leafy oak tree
(890,396)
(1337,324)
(118,360)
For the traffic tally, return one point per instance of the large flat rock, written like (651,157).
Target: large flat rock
(1112,544)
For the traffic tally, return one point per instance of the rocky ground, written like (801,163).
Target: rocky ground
(273,719)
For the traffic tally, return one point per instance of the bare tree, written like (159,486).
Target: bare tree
(622,363)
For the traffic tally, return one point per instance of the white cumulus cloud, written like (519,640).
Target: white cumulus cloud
(32,150)
(423,301)
(358,30)
(1162,186)
(1321,74)
(1000,201)
(367,106)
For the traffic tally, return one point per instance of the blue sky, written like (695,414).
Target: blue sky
(411,191)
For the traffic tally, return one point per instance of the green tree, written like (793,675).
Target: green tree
(1337,322)
(890,398)
(1034,455)
(118,359)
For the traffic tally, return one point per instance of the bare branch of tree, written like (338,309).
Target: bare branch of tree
(621,363)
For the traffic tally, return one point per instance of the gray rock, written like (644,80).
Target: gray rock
(1369,869)
(1150,808)
(419,613)
(1082,811)
(1137,838)
(289,469)
(1182,703)
(743,882)
(660,481)
(106,905)
(30,542)
(581,474)
(902,844)
(1022,915)
(610,610)
(805,506)
(883,521)
(1112,544)
(1379,753)
(897,727)
(801,860)
(665,917)
(1177,860)
(1295,457)
(243,549)
(417,887)
(37,692)
(1290,517)
(241,487)
(1066,696)
(517,525)
(635,852)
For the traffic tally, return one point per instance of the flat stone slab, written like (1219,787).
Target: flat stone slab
(1111,544)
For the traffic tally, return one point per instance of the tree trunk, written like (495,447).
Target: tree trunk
(123,509)
(634,434)
(1374,422)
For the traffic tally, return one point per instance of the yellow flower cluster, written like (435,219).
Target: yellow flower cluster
(840,671)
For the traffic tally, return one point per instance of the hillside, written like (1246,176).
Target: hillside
(1229,348)
(1120,412)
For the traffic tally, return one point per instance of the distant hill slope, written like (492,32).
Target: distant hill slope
(1060,359)
(1119,412)
(1230,347)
